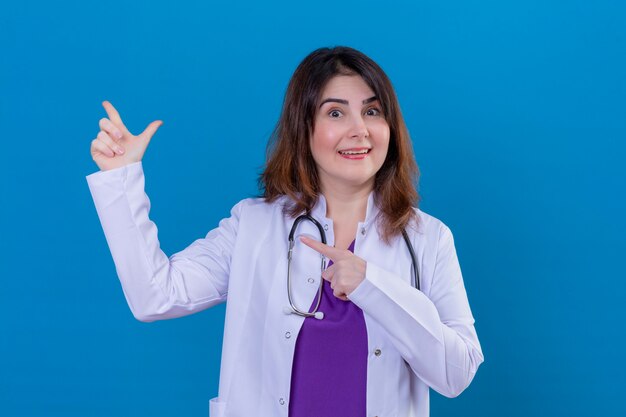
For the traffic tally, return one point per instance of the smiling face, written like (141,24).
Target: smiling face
(350,134)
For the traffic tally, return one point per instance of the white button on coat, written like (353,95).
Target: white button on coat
(431,330)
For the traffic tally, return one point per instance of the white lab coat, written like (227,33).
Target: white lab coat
(416,339)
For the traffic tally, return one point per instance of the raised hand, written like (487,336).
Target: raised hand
(115,146)
(346,272)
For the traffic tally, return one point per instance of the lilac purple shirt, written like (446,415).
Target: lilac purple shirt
(329,371)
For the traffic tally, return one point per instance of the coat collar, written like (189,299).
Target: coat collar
(372,211)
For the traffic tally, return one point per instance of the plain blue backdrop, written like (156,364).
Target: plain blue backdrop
(518,118)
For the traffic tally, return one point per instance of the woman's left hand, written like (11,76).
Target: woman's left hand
(346,272)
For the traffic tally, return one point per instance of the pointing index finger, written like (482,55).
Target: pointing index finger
(114,116)
(330,252)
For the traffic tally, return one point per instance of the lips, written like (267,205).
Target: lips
(354,151)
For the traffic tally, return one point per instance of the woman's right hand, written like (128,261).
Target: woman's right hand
(115,146)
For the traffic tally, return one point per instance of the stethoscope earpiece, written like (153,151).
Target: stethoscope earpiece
(318,314)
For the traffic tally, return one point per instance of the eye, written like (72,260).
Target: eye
(373,111)
(334,113)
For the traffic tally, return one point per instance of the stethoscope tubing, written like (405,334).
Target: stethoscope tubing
(318,314)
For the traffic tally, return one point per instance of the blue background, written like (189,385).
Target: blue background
(518,116)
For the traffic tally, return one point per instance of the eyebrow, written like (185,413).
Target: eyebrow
(341,101)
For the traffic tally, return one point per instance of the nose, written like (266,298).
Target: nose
(358,129)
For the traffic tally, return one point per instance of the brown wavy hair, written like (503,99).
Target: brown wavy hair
(290,168)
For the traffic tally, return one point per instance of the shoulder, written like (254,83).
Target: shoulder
(426,224)
(431,236)
(260,207)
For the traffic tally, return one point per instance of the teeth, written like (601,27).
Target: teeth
(354,152)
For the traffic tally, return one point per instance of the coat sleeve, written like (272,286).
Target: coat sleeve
(434,334)
(157,287)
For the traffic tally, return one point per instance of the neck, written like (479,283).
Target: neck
(346,202)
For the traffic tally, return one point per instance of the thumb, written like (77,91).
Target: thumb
(151,129)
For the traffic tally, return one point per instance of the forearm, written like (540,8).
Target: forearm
(444,355)
(154,287)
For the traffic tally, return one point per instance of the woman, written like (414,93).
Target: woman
(371,343)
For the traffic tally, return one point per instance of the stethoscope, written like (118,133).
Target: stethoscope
(318,314)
